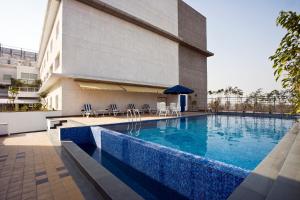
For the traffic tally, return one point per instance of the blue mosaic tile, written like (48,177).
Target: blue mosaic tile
(190,175)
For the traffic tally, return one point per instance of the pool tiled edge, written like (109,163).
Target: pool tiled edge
(260,183)
(107,184)
(192,176)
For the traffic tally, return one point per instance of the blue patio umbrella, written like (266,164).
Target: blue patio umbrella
(178,89)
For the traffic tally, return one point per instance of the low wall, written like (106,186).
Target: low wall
(192,176)
(19,122)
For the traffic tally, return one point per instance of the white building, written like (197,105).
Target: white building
(119,51)
(20,65)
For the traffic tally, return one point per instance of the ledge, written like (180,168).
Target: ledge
(143,24)
(107,184)
(260,183)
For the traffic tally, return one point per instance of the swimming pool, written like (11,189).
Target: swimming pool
(199,157)
(240,141)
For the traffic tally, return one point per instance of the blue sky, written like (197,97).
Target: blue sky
(241,34)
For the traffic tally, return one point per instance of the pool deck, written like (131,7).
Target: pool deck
(101,120)
(277,177)
(30,168)
(33,166)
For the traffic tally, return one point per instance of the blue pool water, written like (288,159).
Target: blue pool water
(237,140)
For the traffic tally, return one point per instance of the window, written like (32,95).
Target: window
(56,102)
(7,77)
(57,60)
(57,29)
(28,76)
(51,46)
(51,69)
(24,75)
(33,76)
(50,102)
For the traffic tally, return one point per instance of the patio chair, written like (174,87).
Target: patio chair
(87,110)
(162,109)
(174,109)
(146,108)
(114,109)
(132,107)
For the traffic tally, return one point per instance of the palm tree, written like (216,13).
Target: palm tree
(255,97)
(227,92)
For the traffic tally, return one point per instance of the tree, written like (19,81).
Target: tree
(13,93)
(43,101)
(286,60)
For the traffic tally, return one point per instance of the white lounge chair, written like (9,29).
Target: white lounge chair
(146,109)
(162,109)
(114,109)
(174,109)
(87,110)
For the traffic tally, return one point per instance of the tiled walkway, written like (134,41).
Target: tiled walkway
(30,168)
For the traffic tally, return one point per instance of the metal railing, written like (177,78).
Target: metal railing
(27,89)
(245,104)
(16,52)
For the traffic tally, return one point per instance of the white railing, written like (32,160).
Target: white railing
(27,89)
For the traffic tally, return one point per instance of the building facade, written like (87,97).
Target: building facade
(112,51)
(20,65)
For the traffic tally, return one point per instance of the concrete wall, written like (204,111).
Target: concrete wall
(50,55)
(162,14)
(26,121)
(193,74)
(54,97)
(72,97)
(191,25)
(193,65)
(26,69)
(9,71)
(96,44)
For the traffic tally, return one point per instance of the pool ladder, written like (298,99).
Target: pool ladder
(133,115)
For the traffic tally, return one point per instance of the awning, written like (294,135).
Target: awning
(118,87)
(142,89)
(100,86)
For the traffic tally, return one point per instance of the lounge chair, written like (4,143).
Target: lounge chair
(174,109)
(162,109)
(114,109)
(132,107)
(146,109)
(87,110)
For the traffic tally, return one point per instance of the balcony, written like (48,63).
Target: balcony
(30,92)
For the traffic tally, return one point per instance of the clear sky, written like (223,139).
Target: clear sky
(241,33)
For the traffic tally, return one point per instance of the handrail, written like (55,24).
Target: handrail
(133,114)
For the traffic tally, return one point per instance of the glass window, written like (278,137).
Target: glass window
(57,60)
(56,102)
(33,76)
(57,29)
(7,77)
(51,46)
(50,102)
(24,75)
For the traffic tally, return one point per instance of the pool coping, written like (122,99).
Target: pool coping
(261,180)
(219,164)
(109,186)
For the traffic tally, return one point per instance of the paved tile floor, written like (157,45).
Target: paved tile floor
(30,168)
